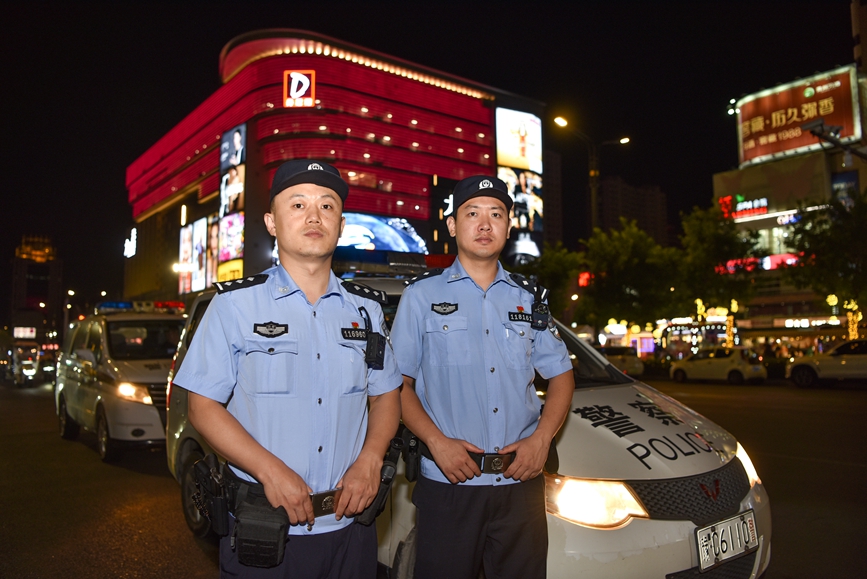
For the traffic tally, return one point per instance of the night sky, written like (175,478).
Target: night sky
(88,87)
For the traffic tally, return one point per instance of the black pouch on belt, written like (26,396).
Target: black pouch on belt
(261,531)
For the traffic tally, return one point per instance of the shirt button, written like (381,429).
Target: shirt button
(496,449)
(320,449)
(445,328)
(270,350)
(498,479)
(521,333)
(319,401)
(317,355)
(314,313)
(495,410)
(492,369)
(486,332)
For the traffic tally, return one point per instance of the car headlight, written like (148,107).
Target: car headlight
(597,504)
(134,392)
(748,466)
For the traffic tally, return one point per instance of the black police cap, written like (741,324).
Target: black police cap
(299,171)
(481,186)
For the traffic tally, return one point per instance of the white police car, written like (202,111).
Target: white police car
(111,374)
(644,488)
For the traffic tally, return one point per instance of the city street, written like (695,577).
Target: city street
(66,514)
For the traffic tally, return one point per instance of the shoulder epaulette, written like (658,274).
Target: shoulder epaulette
(538,291)
(362,290)
(426,274)
(228,286)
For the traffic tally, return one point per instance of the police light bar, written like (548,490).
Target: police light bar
(110,307)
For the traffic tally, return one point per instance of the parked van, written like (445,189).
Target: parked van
(111,374)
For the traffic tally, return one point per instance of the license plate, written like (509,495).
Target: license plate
(726,539)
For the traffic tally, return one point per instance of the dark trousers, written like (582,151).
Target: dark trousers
(349,553)
(461,528)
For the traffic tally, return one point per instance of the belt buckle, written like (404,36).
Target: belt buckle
(325,503)
(495,463)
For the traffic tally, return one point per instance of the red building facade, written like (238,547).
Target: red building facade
(399,133)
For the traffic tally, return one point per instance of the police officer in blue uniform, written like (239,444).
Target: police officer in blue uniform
(467,340)
(284,351)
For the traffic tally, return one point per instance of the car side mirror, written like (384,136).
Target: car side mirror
(86,356)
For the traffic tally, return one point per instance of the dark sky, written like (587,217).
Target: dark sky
(89,87)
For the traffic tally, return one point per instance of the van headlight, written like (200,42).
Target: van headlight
(134,392)
(598,504)
(748,466)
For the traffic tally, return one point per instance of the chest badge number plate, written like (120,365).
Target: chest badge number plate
(444,308)
(270,329)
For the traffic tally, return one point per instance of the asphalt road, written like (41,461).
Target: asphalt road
(64,513)
(806,447)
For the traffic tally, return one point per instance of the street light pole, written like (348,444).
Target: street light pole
(592,168)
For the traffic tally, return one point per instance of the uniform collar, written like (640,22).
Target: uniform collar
(456,272)
(283,285)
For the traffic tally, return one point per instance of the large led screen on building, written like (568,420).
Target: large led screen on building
(769,122)
(376,232)
(519,140)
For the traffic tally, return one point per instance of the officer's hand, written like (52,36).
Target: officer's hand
(288,489)
(451,457)
(360,485)
(531,453)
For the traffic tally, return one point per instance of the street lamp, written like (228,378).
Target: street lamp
(592,167)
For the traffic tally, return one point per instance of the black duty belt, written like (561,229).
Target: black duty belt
(488,462)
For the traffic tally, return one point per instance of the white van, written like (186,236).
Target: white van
(111,375)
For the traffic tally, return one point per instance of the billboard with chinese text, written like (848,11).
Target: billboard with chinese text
(769,122)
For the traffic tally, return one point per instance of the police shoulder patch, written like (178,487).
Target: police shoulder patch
(228,286)
(362,290)
(425,275)
(538,290)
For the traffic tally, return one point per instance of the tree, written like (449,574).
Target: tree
(831,249)
(557,269)
(717,260)
(631,277)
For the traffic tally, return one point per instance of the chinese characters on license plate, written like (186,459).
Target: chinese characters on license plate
(726,539)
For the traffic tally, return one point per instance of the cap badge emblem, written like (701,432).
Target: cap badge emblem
(486,185)
(315,167)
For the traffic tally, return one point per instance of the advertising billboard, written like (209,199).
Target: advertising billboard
(769,122)
(519,140)
(376,232)
(519,165)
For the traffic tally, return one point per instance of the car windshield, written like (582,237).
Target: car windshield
(589,367)
(143,339)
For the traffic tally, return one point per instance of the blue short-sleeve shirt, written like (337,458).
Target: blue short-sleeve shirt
(473,354)
(293,374)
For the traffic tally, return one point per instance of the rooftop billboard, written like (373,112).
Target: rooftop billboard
(769,122)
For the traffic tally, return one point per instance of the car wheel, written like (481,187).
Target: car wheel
(198,524)
(105,444)
(736,377)
(679,376)
(804,377)
(68,427)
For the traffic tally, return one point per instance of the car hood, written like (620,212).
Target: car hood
(633,431)
(140,371)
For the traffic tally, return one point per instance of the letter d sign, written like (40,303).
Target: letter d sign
(299,88)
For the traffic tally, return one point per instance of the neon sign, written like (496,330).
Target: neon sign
(742,207)
(299,88)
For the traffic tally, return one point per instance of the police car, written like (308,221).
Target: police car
(643,487)
(111,374)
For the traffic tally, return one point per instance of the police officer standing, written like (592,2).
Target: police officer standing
(286,350)
(467,340)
